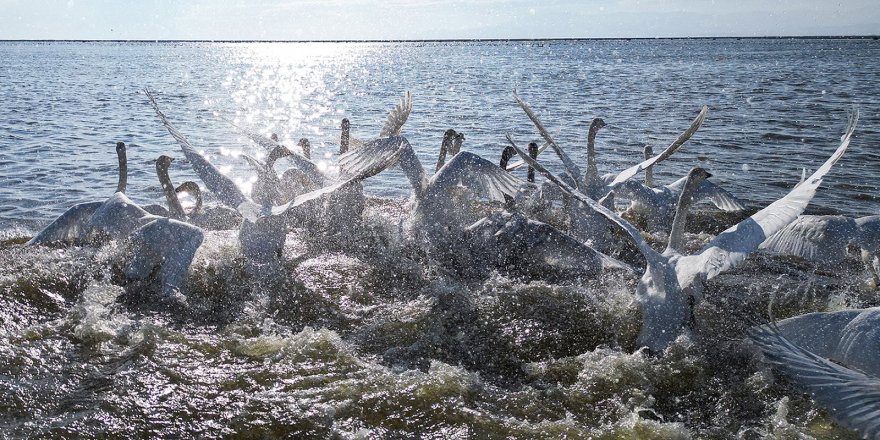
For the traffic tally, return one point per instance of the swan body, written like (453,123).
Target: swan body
(672,282)
(824,239)
(657,204)
(833,356)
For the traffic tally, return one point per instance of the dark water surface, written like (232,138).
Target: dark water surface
(363,336)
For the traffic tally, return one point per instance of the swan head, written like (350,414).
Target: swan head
(192,189)
(506,155)
(449,135)
(274,137)
(120,148)
(698,174)
(597,124)
(649,152)
(346,124)
(164,162)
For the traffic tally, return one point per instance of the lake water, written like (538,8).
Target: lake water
(354,343)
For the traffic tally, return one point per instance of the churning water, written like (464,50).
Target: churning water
(364,336)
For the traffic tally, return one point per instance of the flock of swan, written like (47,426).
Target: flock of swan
(835,356)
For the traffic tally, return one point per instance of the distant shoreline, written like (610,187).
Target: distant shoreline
(461,40)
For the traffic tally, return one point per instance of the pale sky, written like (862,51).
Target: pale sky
(430,19)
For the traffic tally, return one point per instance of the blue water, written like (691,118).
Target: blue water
(365,336)
(776,106)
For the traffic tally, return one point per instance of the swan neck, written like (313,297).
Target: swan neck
(533,153)
(445,146)
(123,167)
(649,171)
(505,157)
(592,169)
(345,137)
(174,206)
(679,222)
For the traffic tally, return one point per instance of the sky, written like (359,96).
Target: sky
(430,19)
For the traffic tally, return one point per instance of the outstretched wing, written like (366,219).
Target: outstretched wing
(221,185)
(397,117)
(570,168)
(68,226)
(364,173)
(851,397)
(820,238)
(720,197)
(731,247)
(672,148)
(376,152)
(483,178)
(541,149)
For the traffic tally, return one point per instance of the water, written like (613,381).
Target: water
(364,336)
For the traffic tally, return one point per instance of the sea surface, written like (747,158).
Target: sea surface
(364,336)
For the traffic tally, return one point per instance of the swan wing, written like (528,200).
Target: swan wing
(68,226)
(731,247)
(650,254)
(570,168)
(308,167)
(672,148)
(221,185)
(397,117)
(364,173)
(483,178)
(852,397)
(720,197)
(541,149)
(821,238)
(376,152)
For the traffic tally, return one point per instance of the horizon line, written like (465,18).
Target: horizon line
(444,40)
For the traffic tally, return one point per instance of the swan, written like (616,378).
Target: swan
(213,218)
(345,136)
(307,176)
(445,146)
(69,226)
(672,281)
(573,173)
(264,227)
(824,239)
(833,356)
(499,241)
(145,235)
(586,224)
(657,204)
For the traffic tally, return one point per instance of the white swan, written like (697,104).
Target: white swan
(672,281)
(657,204)
(833,356)
(441,221)
(825,238)
(586,224)
(69,226)
(211,218)
(264,228)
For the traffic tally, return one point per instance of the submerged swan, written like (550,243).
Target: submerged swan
(833,356)
(264,228)
(824,239)
(441,220)
(672,282)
